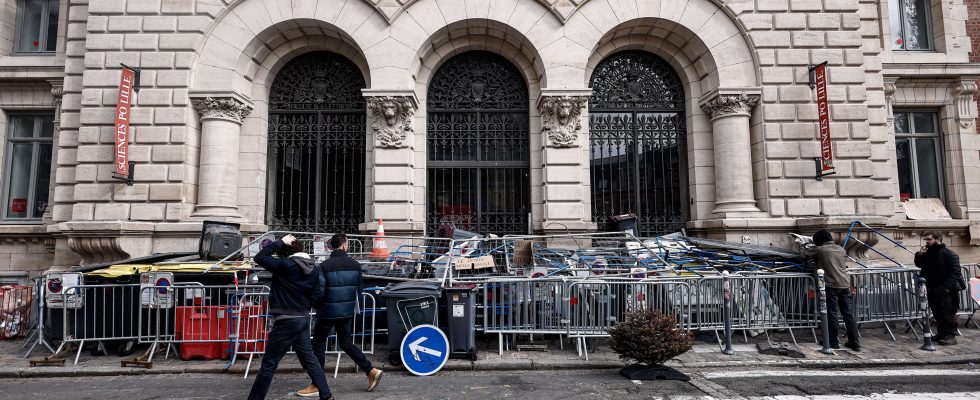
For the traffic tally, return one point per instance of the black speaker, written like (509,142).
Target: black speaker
(219,240)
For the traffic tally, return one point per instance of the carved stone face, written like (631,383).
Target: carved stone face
(389,109)
(564,110)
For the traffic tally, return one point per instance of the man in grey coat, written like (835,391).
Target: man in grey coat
(832,259)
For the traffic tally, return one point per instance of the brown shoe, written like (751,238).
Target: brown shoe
(374,378)
(310,391)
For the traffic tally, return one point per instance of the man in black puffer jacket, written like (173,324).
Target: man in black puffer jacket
(337,311)
(290,301)
(941,268)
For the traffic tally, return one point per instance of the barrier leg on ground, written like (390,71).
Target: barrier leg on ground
(926,316)
(822,305)
(727,312)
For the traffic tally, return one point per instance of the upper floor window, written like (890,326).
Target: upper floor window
(911,24)
(918,152)
(37,26)
(27,167)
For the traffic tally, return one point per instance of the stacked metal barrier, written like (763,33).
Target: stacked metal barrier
(970,298)
(885,295)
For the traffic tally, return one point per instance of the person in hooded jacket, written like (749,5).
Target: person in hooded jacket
(290,300)
(832,259)
(344,278)
(944,280)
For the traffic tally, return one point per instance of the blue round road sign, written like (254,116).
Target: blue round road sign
(424,350)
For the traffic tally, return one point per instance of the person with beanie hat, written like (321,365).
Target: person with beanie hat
(832,259)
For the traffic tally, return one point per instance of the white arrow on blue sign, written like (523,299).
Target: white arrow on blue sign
(424,350)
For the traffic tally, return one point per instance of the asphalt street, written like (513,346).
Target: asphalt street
(946,383)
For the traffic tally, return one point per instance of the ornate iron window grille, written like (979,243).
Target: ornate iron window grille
(478,145)
(637,143)
(316,145)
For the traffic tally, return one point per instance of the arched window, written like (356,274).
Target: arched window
(637,143)
(478,145)
(316,145)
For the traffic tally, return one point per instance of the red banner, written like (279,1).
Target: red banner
(123,112)
(823,112)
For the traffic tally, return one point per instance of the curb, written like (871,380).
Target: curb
(529,365)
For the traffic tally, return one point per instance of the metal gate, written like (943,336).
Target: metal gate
(478,146)
(637,139)
(316,145)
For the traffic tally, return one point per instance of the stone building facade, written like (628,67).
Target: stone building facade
(712,95)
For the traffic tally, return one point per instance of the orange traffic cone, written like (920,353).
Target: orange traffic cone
(380,246)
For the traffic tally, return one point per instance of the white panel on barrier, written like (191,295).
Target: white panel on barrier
(60,290)
(160,297)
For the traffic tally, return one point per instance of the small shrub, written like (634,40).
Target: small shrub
(649,337)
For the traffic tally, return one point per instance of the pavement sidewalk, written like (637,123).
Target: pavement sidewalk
(878,349)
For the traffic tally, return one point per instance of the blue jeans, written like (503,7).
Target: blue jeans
(286,333)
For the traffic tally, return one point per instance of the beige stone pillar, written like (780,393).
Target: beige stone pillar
(961,152)
(57,90)
(564,159)
(217,185)
(391,147)
(730,114)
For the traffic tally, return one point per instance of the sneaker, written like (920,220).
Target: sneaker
(309,391)
(853,346)
(374,378)
(947,341)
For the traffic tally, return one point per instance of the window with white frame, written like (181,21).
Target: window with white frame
(911,24)
(918,152)
(27,167)
(37,26)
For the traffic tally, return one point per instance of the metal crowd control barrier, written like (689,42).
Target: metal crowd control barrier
(970,298)
(760,302)
(522,306)
(596,306)
(885,295)
(403,258)
(16,313)
(591,255)
(201,318)
(101,313)
(252,332)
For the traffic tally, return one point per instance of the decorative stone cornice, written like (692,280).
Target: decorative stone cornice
(727,104)
(227,108)
(561,115)
(965,90)
(393,118)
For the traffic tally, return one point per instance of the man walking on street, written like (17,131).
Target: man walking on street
(832,259)
(293,288)
(941,268)
(337,311)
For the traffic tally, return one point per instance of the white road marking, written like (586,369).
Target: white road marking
(881,396)
(844,373)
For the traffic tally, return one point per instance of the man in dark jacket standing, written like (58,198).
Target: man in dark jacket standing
(941,268)
(290,301)
(832,259)
(337,311)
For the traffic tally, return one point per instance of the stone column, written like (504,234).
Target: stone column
(57,90)
(564,159)
(217,185)
(730,114)
(391,136)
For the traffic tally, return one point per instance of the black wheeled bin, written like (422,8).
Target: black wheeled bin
(409,304)
(461,325)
